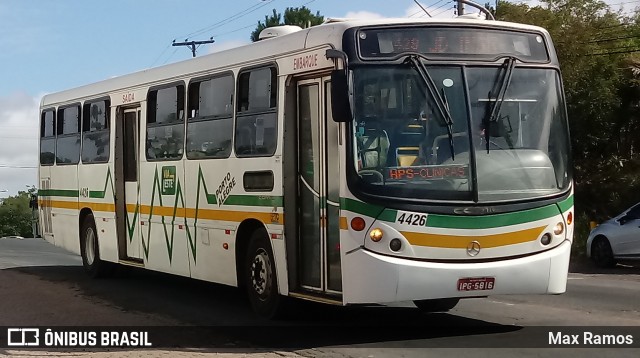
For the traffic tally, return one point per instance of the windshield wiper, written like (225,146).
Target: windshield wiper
(492,117)
(440,101)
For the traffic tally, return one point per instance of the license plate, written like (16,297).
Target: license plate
(476,283)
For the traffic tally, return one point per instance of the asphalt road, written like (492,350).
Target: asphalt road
(41,285)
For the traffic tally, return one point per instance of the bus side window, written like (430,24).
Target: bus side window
(165,123)
(95,132)
(68,135)
(210,127)
(47,137)
(256,119)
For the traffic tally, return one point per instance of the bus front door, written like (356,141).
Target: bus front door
(318,189)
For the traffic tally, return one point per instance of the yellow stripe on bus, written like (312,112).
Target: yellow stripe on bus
(204,214)
(461,242)
(58,204)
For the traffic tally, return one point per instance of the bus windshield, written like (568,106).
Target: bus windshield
(403,147)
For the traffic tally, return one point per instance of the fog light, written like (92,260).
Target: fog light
(395,245)
(357,223)
(546,239)
(559,229)
(375,234)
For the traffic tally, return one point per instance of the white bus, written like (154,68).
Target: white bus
(355,162)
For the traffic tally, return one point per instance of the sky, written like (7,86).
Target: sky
(49,46)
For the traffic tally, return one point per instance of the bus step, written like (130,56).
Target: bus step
(331,300)
(132,262)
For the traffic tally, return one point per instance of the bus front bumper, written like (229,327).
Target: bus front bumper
(373,278)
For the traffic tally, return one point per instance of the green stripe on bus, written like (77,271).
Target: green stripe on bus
(254,200)
(59,192)
(566,204)
(388,215)
(99,194)
(491,221)
(361,208)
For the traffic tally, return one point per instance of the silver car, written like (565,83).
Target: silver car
(616,239)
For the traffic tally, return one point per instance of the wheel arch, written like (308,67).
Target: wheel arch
(243,236)
(84,212)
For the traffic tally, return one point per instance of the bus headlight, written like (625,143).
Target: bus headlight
(559,229)
(376,234)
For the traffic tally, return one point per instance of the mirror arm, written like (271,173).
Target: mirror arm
(333,54)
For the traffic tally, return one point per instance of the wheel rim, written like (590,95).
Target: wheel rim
(90,252)
(261,274)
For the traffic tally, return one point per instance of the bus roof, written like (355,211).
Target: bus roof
(269,49)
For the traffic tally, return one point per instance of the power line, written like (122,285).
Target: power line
(162,53)
(614,39)
(441,6)
(613,53)
(624,2)
(229,19)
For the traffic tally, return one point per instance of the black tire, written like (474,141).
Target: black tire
(601,253)
(89,249)
(437,305)
(261,278)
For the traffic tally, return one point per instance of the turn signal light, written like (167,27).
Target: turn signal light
(376,234)
(357,223)
(569,218)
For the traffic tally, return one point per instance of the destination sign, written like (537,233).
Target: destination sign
(429,172)
(453,43)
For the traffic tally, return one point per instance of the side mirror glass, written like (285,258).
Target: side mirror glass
(340,106)
(625,219)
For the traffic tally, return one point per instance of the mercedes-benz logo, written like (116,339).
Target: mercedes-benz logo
(473,249)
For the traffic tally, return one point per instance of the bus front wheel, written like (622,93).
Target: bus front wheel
(261,280)
(437,305)
(89,249)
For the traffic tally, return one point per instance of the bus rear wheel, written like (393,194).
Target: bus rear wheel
(260,276)
(437,305)
(90,251)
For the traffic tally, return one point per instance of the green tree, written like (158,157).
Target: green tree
(298,16)
(15,215)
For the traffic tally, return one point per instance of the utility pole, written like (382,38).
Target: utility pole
(192,44)
(460,8)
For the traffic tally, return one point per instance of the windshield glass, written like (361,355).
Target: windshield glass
(403,148)
(401,140)
(528,149)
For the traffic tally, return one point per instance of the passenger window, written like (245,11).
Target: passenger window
(47,138)
(210,123)
(68,139)
(165,123)
(95,132)
(256,119)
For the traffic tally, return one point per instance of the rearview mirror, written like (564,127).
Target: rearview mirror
(340,106)
(625,219)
